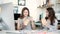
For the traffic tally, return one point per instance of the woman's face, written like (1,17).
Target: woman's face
(25,13)
(47,13)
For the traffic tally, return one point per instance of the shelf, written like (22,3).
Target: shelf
(58,3)
(45,6)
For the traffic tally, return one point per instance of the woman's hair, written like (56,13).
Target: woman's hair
(25,8)
(51,14)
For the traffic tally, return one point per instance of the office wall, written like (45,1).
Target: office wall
(32,5)
(7,15)
(34,11)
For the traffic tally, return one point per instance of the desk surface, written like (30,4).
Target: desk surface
(30,32)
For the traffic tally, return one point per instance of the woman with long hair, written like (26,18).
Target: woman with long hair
(25,22)
(51,21)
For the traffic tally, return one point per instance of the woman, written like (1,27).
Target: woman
(50,22)
(25,22)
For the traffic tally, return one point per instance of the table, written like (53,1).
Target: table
(30,32)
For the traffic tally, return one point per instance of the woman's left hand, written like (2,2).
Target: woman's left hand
(26,21)
(44,22)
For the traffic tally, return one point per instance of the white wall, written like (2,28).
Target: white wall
(7,15)
(32,5)
(34,11)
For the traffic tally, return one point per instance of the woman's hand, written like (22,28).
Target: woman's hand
(32,23)
(44,22)
(18,24)
(25,21)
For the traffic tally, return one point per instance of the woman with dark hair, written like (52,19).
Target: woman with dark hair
(25,22)
(50,22)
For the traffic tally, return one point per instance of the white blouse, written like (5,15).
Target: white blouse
(52,27)
(28,27)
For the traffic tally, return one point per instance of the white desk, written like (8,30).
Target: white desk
(29,32)
(2,32)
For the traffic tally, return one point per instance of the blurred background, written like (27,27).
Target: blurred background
(10,10)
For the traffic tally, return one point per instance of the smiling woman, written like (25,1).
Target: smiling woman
(51,22)
(25,22)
